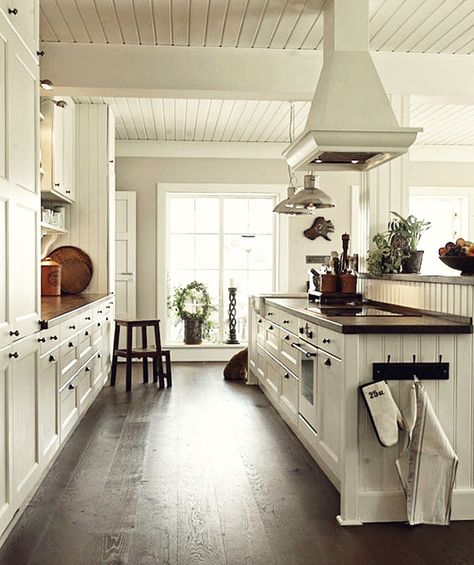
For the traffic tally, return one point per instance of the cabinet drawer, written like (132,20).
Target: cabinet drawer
(288,354)
(309,332)
(273,380)
(289,395)
(48,405)
(69,408)
(330,341)
(69,328)
(96,372)
(272,314)
(85,345)
(261,364)
(260,330)
(84,388)
(96,338)
(272,338)
(85,319)
(69,360)
(49,339)
(100,310)
(289,322)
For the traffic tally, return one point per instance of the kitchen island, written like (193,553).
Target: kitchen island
(310,364)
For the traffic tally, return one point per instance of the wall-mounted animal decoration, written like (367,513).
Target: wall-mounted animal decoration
(320,227)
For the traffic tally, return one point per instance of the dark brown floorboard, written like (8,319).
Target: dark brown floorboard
(205,473)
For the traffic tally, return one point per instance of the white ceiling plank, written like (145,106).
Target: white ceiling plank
(109,21)
(124,109)
(200,125)
(269,23)
(310,15)
(279,116)
(447,30)
(264,120)
(180,114)
(162,18)
(238,107)
(247,112)
(180,22)
(289,19)
(71,14)
(146,111)
(198,22)
(314,36)
(212,118)
(251,22)
(216,22)
(236,10)
(169,118)
(91,20)
(227,118)
(192,109)
(56,20)
(127,21)
(46,30)
(145,22)
(159,118)
(457,37)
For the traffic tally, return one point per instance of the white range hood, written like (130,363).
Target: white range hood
(351,125)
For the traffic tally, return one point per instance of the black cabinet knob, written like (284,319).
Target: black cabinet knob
(87,370)
(301,330)
(326,340)
(99,312)
(286,321)
(14,332)
(52,359)
(286,376)
(287,337)
(72,327)
(270,314)
(71,387)
(259,320)
(270,327)
(68,192)
(42,339)
(13,11)
(86,333)
(13,355)
(328,362)
(40,53)
(98,324)
(71,344)
(57,184)
(99,356)
(309,334)
(87,318)
(54,338)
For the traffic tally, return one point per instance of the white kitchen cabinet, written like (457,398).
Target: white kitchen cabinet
(273,379)
(48,406)
(25,416)
(6,491)
(58,150)
(330,406)
(24,17)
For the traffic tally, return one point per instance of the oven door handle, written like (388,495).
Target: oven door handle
(307,353)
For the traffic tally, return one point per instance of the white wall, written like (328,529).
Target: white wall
(143,174)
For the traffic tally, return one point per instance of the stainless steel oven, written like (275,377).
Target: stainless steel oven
(308,385)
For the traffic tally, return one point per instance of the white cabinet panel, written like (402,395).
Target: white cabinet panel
(48,406)
(6,503)
(23,126)
(58,148)
(330,406)
(5,337)
(24,269)
(3,109)
(69,150)
(25,428)
(24,16)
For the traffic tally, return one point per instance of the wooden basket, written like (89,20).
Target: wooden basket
(77,269)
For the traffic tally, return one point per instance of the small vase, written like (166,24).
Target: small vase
(412,264)
(192,331)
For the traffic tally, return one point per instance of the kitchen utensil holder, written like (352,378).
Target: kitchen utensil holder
(437,370)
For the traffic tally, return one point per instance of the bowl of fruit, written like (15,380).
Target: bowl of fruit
(459,256)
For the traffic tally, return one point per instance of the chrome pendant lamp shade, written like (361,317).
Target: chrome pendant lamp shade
(311,198)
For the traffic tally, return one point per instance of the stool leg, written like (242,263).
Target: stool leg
(155,368)
(113,376)
(169,380)
(145,359)
(128,385)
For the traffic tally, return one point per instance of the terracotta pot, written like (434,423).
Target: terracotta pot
(348,283)
(192,331)
(50,277)
(328,283)
(412,264)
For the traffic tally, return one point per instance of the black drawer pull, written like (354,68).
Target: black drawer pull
(87,369)
(54,337)
(68,192)
(13,11)
(42,340)
(306,353)
(286,321)
(57,184)
(87,318)
(326,340)
(301,330)
(40,53)
(86,333)
(52,359)
(99,356)
(72,327)
(71,387)
(13,355)
(286,376)
(328,362)
(287,337)
(71,344)
(100,312)
(271,327)
(270,314)
(14,332)
(98,324)
(309,334)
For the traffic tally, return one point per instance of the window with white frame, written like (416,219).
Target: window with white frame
(216,238)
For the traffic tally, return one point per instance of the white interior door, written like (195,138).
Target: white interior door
(125,254)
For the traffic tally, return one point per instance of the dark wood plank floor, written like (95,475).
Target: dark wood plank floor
(205,472)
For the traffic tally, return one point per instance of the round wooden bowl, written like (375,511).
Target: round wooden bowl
(462,263)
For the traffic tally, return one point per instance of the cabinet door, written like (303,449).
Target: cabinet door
(330,391)
(3,103)
(25,20)
(69,149)
(24,268)
(48,406)
(273,380)
(5,337)
(6,499)
(58,148)
(23,128)
(25,425)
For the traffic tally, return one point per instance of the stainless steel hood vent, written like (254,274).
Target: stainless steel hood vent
(351,125)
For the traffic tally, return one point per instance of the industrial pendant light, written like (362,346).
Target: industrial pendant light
(282,207)
(311,198)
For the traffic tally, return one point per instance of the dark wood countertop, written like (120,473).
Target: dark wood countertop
(426,323)
(56,309)
(439,279)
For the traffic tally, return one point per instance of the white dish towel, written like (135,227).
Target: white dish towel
(432,463)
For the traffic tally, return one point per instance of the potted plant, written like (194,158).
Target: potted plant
(192,304)
(405,234)
(384,259)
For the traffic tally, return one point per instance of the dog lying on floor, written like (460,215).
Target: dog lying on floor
(236,368)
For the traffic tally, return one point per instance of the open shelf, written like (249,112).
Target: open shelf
(49,229)
(54,196)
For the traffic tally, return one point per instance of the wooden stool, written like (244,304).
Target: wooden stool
(156,353)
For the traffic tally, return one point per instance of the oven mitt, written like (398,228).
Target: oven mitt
(384,413)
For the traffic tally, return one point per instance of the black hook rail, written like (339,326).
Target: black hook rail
(408,371)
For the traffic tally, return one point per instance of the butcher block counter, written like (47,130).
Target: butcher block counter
(310,365)
(57,309)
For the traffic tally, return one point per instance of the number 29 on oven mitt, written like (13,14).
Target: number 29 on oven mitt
(384,413)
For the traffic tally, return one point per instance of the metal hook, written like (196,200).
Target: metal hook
(414,358)
(388,358)
(440,358)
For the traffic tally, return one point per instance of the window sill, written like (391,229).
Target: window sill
(177,345)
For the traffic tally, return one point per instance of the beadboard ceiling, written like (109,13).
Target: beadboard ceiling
(421,26)
(167,119)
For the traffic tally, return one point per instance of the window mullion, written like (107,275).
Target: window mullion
(221,270)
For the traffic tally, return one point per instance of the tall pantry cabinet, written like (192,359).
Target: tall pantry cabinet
(19,254)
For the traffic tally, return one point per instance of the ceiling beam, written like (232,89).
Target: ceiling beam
(442,153)
(208,72)
(199,149)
